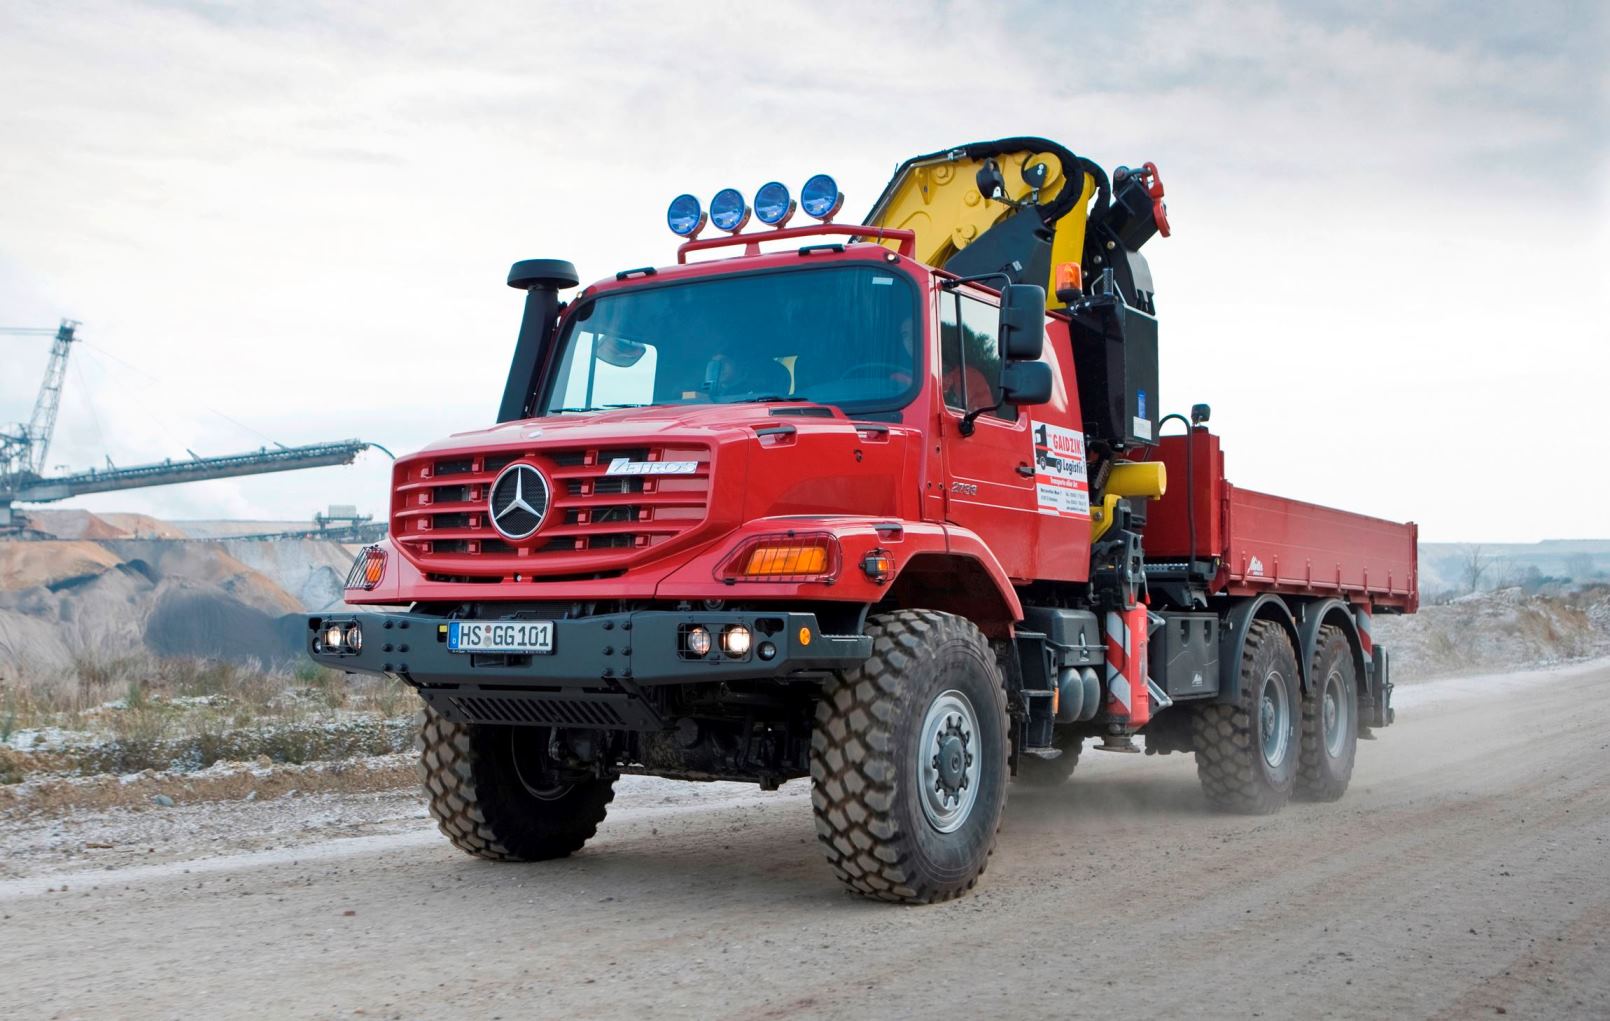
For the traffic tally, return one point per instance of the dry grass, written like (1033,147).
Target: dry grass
(56,795)
(132,713)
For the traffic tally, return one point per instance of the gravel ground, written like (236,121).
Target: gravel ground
(1464,875)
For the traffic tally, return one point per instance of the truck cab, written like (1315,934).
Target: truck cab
(810,503)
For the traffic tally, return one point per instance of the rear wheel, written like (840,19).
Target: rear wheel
(909,760)
(1033,771)
(1246,753)
(496,793)
(1330,720)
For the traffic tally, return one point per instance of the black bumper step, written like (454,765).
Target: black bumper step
(570,709)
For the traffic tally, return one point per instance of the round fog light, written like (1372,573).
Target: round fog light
(332,638)
(354,638)
(699,640)
(735,641)
(766,651)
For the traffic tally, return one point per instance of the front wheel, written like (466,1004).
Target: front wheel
(909,760)
(496,793)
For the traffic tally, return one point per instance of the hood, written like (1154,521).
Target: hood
(685,421)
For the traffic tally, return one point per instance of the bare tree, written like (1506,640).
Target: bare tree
(1473,566)
(1579,567)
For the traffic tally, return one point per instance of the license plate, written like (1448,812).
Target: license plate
(500,636)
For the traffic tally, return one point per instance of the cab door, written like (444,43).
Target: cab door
(989,475)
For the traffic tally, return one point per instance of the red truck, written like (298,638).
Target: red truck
(886,505)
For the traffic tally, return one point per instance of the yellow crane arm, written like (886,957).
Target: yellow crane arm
(1019,188)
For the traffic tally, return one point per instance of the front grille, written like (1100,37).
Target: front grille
(593,522)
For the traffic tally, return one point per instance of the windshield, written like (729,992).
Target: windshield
(843,335)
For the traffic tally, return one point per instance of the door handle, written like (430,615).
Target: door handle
(1026,471)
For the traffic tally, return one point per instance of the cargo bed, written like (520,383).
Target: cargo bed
(1262,543)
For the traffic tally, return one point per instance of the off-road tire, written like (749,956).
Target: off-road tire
(870,814)
(1321,775)
(482,805)
(1230,761)
(1033,771)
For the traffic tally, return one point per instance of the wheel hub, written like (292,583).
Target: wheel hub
(533,755)
(948,761)
(1274,719)
(952,762)
(1333,715)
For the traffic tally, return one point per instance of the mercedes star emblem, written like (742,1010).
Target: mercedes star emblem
(518,501)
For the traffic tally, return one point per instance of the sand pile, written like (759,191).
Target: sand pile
(73,524)
(143,526)
(28,564)
(64,602)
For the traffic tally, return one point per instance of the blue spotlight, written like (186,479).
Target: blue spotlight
(773,205)
(684,217)
(821,198)
(728,211)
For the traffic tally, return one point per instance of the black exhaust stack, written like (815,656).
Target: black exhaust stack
(542,280)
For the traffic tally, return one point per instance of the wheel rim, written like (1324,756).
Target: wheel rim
(948,761)
(1334,712)
(534,768)
(1274,719)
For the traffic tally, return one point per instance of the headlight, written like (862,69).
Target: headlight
(354,638)
(332,638)
(735,641)
(699,640)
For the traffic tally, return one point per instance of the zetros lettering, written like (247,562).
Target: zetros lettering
(626,466)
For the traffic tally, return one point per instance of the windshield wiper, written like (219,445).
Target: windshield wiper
(599,407)
(767,397)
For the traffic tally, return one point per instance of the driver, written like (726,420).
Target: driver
(748,372)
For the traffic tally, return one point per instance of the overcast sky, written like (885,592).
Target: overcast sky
(1387,275)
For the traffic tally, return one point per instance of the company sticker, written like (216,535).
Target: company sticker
(1060,484)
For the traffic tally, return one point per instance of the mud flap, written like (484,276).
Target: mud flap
(1380,712)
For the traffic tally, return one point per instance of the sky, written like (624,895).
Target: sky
(292,222)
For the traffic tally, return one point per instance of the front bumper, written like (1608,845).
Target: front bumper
(617,650)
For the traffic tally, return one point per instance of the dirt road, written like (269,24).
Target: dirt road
(1467,873)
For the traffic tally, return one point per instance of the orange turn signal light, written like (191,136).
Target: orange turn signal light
(878,565)
(368,569)
(769,560)
(786,557)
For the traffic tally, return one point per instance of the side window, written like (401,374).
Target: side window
(970,355)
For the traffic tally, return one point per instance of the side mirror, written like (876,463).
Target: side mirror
(1026,383)
(1022,328)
